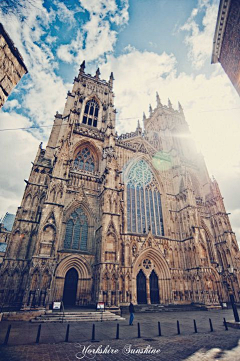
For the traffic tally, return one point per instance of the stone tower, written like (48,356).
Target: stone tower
(118,218)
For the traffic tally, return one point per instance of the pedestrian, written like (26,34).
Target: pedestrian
(131,311)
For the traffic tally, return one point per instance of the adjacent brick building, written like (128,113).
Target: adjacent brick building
(226,44)
(12,67)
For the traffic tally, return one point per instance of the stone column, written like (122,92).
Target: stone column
(109,298)
(148,291)
(117,298)
(159,290)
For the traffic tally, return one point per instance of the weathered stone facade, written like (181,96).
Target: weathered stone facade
(226,45)
(12,67)
(118,218)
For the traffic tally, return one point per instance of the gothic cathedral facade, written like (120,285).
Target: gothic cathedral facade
(116,219)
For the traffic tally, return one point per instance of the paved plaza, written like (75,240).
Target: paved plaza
(204,345)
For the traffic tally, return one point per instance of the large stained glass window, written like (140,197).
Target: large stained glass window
(90,116)
(144,207)
(76,231)
(85,160)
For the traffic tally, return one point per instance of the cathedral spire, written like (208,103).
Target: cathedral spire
(169,104)
(144,116)
(139,129)
(180,109)
(111,79)
(82,67)
(97,73)
(158,100)
(150,109)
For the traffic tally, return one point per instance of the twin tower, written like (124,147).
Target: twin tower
(122,218)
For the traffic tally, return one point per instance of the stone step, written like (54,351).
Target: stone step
(78,317)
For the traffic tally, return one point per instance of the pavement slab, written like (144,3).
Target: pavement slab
(190,346)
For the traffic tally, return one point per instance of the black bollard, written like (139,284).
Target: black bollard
(211,326)
(139,331)
(225,324)
(7,335)
(178,328)
(93,332)
(159,329)
(67,333)
(38,333)
(195,326)
(117,334)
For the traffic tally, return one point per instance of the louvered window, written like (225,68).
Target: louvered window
(76,231)
(90,116)
(144,207)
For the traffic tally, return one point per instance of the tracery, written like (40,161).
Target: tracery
(144,209)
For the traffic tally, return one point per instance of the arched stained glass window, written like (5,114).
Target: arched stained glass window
(90,116)
(144,207)
(76,231)
(85,160)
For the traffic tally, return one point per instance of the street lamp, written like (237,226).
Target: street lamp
(228,273)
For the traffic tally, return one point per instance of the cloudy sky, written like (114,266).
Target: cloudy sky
(150,45)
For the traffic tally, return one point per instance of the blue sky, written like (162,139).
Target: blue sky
(150,45)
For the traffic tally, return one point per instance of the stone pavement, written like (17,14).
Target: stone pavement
(205,345)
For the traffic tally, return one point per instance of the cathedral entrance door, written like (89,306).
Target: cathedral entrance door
(70,287)
(141,287)
(154,290)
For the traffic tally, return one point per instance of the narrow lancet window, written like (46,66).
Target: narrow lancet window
(76,231)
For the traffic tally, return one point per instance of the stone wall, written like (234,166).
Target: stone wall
(12,67)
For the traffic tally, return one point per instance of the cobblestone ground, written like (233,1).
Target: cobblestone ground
(202,346)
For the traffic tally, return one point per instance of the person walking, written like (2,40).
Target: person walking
(131,311)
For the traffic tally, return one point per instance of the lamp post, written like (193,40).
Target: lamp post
(228,274)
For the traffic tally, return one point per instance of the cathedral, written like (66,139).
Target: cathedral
(118,218)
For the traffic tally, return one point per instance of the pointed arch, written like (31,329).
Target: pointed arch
(28,201)
(35,200)
(86,156)
(157,263)
(79,204)
(79,263)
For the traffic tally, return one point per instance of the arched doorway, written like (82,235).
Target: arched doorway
(154,290)
(70,287)
(141,287)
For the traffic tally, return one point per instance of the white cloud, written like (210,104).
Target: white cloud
(200,42)
(96,38)
(19,148)
(64,14)
(44,92)
(12,104)
(234,219)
